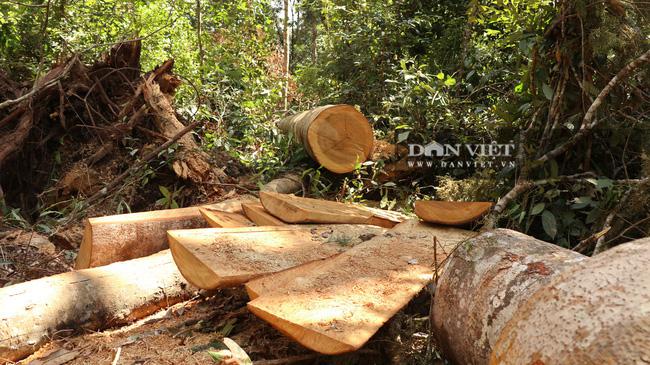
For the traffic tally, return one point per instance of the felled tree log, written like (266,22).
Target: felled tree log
(34,312)
(220,219)
(127,236)
(484,282)
(256,213)
(336,136)
(596,312)
(287,184)
(335,305)
(191,161)
(213,258)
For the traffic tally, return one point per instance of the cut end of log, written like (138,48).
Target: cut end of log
(451,213)
(294,209)
(336,136)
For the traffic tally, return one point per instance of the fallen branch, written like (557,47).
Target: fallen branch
(587,122)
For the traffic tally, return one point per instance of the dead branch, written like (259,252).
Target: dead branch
(587,122)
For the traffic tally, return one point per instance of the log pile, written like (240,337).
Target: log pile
(329,275)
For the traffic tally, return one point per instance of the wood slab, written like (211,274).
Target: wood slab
(451,213)
(213,258)
(293,209)
(258,215)
(335,305)
(222,219)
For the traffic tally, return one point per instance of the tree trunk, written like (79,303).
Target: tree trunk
(33,312)
(483,283)
(596,312)
(287,49)
(336,136)
(127,236)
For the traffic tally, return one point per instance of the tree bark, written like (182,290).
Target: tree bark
(596,312)
(127,236)
(483,283)
(34,312)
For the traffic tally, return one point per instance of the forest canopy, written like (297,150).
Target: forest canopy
(566,82)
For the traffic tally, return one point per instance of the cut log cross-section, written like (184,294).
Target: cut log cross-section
(212,258)
(33,312)
(127,236)
(336,136)
(293,209)
(256,213)
(338,307)
(451,213)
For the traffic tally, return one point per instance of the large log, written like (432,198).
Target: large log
(127,236)
(220,219)
(339,306)
(336,136)
(213,258)
(293,209)
(596,312)
(34,312)
(483,283)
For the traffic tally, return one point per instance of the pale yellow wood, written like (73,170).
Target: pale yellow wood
(451,213)
(127,236)
(335,305)
(258,215)
(221,219)
(211,258)
(336,136)
(293,209)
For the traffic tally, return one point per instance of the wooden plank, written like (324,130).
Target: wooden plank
(334,306)
(451,213)
(213,258)
(127,236)
(256,213)
(220,219)
(293,209)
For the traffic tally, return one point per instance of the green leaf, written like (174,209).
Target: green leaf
(165,192)
(538,208)
(549,223)
(440,76)
(450,81)
(237,352)
(401,137)
(548,92)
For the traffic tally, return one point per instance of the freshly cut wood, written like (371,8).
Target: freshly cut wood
(127,236)
(287,184)
(596,312)
(256,213)
(483,283)
(34,312)
(335,305)
(293,209)
(451,213)
(220,219)
(336,136)
(212,258)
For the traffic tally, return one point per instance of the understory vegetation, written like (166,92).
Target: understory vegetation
(531,73)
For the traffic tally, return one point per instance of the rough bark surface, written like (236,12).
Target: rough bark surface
(596,312)
(36,311)
(484,282)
